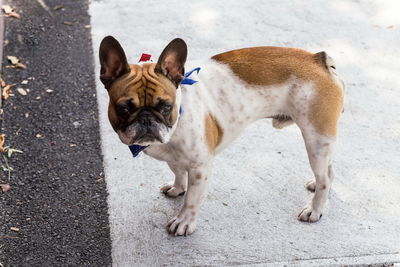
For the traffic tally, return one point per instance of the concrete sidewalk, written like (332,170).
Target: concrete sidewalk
(256,192)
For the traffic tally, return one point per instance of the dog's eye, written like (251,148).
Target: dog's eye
(166,109)
(125,109)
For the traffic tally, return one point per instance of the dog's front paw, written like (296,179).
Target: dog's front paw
(307,214)
(183,224)
(172,191)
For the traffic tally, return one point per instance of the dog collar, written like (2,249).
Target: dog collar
(136,149)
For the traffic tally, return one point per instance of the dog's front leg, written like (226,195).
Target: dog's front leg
(185,222)
(177,187)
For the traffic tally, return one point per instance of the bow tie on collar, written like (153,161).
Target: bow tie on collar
(187,80)
(136,149)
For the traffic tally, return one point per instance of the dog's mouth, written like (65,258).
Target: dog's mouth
(140,134)
(148,135)
(145,129)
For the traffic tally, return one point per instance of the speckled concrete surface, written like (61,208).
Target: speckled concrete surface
(249,215)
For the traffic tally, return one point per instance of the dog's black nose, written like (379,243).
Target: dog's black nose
(145,118)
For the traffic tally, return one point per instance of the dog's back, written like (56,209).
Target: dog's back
(263,66)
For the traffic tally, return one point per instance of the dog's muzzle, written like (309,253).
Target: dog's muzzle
(144,129)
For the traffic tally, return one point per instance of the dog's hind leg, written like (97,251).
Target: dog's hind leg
(319,149)
(316,111)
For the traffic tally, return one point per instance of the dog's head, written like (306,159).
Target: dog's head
(144,100)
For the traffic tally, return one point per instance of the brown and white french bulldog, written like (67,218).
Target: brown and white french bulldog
(233,90)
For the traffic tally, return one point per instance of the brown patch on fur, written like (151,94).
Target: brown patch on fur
(191,206)
(193,213)
(213,132)
(198,176)
(269,65)
(266,66)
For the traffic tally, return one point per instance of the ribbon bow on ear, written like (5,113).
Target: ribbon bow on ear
(145,57)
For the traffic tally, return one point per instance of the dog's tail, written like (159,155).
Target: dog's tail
(328,63)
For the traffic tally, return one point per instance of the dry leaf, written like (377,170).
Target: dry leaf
(225,204)
(39,135)
(15,229)
(27,115)
(20,65)
(38,97)
(69,23)
(6,91)
(10,151)
(2,140)
(87,26)
(13,60)
(24,82)
(7,9)
(72,145)
(22,91)
(2,82)
(58,7)
(14,15)
(5,187)
(49,91)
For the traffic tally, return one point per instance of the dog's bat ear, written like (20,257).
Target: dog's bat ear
(112,60)
(172,60)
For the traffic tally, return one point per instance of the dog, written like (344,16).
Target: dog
(234,89)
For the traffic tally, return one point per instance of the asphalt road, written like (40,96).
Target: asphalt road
(57,198)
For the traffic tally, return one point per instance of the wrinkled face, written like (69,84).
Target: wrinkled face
(143,106)
(144,100)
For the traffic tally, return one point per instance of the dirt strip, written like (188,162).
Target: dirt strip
(55,211)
